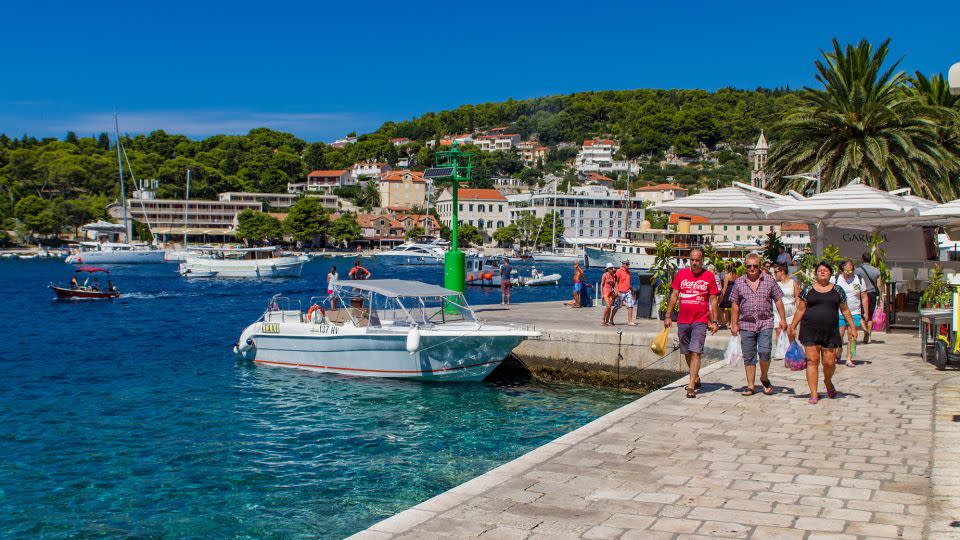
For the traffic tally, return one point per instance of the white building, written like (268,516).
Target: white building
(596,155)
(661,193)
(274,200)
(343,141)
(591,214)
(532,152)
(486,209)
(363,171)
(503,142)
(400,141)
(795,235)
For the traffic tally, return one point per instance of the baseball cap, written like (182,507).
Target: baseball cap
(609,265)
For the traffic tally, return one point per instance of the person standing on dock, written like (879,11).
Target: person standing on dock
(753,298)
(608,289)
(358,272)
(505,272)
(624,293)
(577,285)
(696,290)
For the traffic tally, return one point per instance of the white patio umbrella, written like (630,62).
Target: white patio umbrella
(854,206)
(948,215)
(737,204)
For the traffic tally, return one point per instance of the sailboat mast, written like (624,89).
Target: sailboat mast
(123,193)
(626,222)
(553,224)
(186,212)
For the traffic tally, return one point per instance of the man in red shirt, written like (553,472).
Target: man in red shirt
(624,293)
(696,290)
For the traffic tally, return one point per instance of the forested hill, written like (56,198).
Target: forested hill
(645,121)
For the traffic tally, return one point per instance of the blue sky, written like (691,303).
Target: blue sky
(320,69)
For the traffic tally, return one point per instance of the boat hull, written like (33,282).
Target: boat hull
(263,268)
(75,294)
(448,357)
(411,260)
(598,258)
(117,257)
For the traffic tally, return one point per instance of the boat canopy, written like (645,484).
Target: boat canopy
(92,269)
(397,288)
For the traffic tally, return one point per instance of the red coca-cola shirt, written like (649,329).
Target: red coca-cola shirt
(694,297)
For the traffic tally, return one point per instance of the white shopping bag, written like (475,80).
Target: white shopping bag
(733,356)
(781,346)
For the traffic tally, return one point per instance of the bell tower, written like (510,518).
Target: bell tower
(758,176)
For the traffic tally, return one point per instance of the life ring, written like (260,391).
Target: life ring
(314,308)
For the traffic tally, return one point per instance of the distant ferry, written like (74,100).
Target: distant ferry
(639,248)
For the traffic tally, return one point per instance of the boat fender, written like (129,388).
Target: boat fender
(246,346)
(488,275)
(469,277)
(413,340)
(313,308)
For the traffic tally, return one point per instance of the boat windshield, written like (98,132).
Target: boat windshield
(368,308)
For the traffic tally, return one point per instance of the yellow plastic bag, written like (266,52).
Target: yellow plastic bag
(659,344)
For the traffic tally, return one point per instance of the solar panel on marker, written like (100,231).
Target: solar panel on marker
(438,172)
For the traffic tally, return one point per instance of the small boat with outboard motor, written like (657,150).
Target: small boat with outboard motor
(81,287)
(485,272)
(381,328)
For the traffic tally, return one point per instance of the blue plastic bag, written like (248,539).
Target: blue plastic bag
(796,357)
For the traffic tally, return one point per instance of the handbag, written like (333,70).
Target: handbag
(879,318)
(783,343)
(796,358)
(659,343)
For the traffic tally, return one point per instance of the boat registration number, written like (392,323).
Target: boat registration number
(271,328)
(327,329)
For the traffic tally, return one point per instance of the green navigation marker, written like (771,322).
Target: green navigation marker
(457,166)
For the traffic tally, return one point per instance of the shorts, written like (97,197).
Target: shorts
(624,299)
(692,336)
(872,298)
(856,320)
(576,287)
(754,343)
(505,284)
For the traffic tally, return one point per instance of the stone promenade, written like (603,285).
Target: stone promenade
(881,461)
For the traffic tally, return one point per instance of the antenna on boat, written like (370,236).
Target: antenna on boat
(186,212)
(123,193)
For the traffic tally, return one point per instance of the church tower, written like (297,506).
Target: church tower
(758,176)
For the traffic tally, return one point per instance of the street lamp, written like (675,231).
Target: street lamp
(954,77)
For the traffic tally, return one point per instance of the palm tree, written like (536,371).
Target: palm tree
(935,92)
(863,123)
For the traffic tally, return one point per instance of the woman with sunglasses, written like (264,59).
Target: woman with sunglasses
(817,314)
(791,291)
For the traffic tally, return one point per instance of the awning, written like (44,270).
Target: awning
(739,203)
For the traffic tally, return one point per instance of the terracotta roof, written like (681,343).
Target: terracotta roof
(397,176)
(597,177)
(794,227)
(662,187)
(591,142)
(398,139)
(367,220)
(694,220)
(480,194)
(328,173)
(279,215)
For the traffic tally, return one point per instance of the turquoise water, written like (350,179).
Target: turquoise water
(133,419)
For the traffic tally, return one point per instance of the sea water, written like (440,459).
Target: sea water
(132,418)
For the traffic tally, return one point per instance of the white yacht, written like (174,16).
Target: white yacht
(381,328)
(259,262)
(414,254)
(558,255)
(115,253)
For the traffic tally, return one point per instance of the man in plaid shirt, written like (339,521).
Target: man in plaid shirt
(752,300)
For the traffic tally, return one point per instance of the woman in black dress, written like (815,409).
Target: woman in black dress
(818,312)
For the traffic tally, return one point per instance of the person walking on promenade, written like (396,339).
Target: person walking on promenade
(854,288)
(506,271)
(358,272)
(752,298)
(696,290)
(791,290)
(873,283)
(729,276)
(608,289)
(577,285)
(817,315)
(624,293)
(783,257)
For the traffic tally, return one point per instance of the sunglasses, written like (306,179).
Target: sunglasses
(751,266)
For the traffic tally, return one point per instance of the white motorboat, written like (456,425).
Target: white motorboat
(558,255)
(230,262)
(414,254)
(115,253)
(381,328)
(539,279)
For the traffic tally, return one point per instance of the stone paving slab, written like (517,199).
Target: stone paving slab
(881,461)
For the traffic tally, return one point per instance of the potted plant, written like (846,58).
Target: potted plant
(664,268)
(938,293)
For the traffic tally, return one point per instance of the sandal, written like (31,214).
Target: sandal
(698,385)
(748,392)
(850,363)
(691,392)
(812,401)
(832,392)
(767,387)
